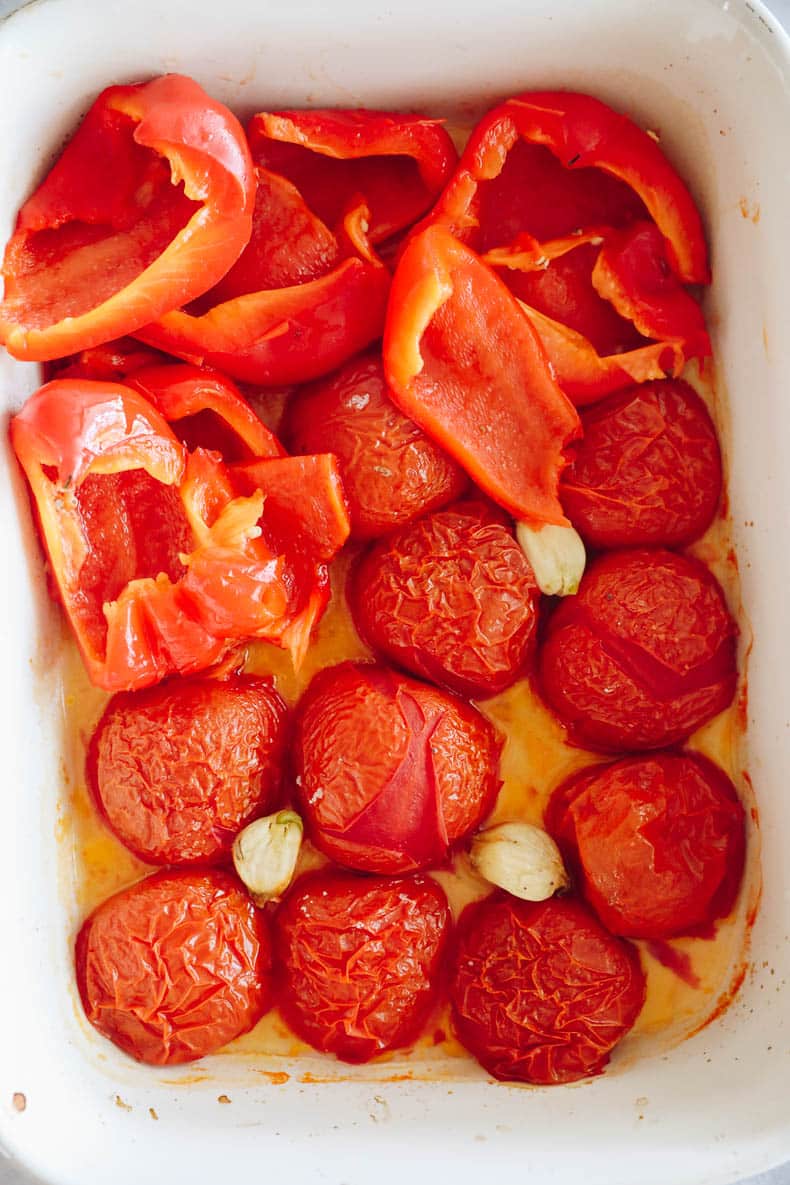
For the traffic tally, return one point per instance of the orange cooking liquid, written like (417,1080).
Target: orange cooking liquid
(535,759)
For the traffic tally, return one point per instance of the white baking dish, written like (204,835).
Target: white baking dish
(713,78)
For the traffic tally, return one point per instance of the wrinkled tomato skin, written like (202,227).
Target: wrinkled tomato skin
(647,471)
(358,960)
(452,598)
(176,966)
(179,769)
(392,472)
(390,772)
(643,655)
(540,992)
(657,842)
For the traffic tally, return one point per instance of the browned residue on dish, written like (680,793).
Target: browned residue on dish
(224,1099)
(750,210)
(121,1104)
(152,1113)
(276,1077)
(19,1101)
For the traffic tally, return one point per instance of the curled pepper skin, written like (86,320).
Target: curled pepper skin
(392,472)
(178,770)
(359,960)
(657,842)
(397,163)
(176,966)
(540,992)
(148,205)
(643,655)
(463,361)
(390,772)
(647,471)
(452,598)
(299,302)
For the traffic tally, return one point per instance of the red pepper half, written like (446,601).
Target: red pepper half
(466,365)
(583,134)
(298,303)
(148,205)
(397,163)
(161,563)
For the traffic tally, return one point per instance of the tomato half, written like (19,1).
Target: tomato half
(390,772)
(392,472)
(358,961)
(658,842)
(540,992)
(177,770)
(452,598)
(648,470)
(175,967)
(643,655)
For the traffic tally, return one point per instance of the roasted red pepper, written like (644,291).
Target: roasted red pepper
(207,410)
(464,362)
(558,190)
(149,205)
(397,163)
(300,300)
(582,133)
(161,563)
(583,311)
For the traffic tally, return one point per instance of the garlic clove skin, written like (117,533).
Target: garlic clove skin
(265,854)
(556,554)
(522,859)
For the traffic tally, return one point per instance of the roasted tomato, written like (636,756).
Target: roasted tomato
(648,471)
(390,771)
(452,598)
(643,654)
(540,992)
(657,842)
(392,471)
(175,967)
(358,961)
(178,769)
(563,290)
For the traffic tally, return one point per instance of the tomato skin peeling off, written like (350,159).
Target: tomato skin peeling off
(391,796)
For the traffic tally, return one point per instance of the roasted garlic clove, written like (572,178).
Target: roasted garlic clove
(557,557)
(521,859)
(265,854)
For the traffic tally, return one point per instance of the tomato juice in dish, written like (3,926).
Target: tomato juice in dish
(195,544)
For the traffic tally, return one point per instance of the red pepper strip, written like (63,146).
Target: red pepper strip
(466,365)
(111,362)
(633,274)
(582,133)
(208,409)
(527,254)
(159,562)
(397,163)
(585,376)
(293,333)
(148,205)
